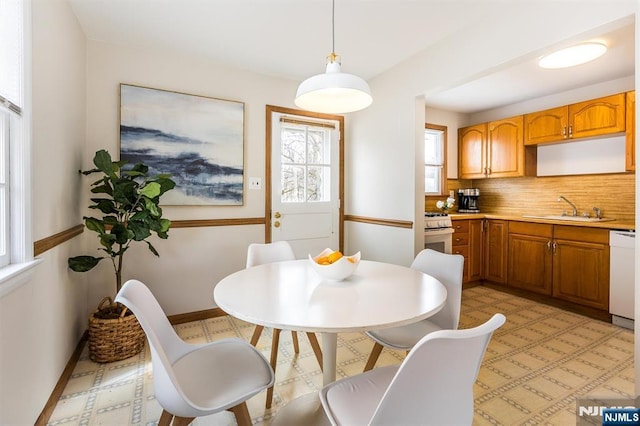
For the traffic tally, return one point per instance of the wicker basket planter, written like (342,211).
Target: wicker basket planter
(115,338)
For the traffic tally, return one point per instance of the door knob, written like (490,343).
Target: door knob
(277,215)
(276,224)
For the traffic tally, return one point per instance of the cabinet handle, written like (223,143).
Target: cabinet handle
(458,226)
(564,131)
(458,240)
(554,247)
(488,170)
(570,130)
(549,246)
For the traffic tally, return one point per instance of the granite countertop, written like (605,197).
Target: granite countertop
(612,224)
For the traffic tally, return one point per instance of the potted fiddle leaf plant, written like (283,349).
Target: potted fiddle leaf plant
(127,200)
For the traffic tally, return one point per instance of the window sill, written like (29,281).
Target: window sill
(15,275)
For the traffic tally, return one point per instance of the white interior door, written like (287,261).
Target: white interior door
(305,178)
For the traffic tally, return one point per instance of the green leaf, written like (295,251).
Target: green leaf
(121,233)
(151,190)
(140,230)
(152,207)
(94,225)
(152,248)
(102,160)
(165,224)
(83,263)
(124,192)
(104,205)
(166,184)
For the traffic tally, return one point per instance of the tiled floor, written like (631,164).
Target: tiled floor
(535,367)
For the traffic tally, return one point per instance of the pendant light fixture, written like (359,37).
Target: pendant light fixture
(333,92)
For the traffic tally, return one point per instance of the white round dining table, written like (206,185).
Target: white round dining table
(291,295)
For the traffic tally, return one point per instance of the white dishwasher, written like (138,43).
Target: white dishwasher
(622,277)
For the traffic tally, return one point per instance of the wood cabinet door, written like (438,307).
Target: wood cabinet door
(546,126)
(597,116)
(472,146)
(529,257)
(505,148)
(581,265)
(581,273)
(631,131)
(495,251)
(476,233)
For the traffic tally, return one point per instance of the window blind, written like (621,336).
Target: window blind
(324,124)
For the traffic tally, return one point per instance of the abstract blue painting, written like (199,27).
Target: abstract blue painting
(198,140)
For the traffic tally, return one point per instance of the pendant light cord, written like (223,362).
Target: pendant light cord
(333,27)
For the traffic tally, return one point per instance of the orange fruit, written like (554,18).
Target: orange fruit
(351,259)
(324,260)
(335,256)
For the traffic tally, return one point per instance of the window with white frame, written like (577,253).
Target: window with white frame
(15,245)
(435,159)
(5,254)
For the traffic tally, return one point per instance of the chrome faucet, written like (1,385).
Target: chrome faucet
(575,210)
(598,212)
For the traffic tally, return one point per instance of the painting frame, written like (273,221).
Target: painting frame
(198,140)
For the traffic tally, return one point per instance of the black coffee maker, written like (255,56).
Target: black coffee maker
(468,200)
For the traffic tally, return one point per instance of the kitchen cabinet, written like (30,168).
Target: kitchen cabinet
(495,250)
(472,147)
(630,163)
(581,265)
(494,149)
(595,117)
(567,262)
(467,240)
(529,257)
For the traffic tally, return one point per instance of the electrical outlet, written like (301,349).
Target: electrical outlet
(255,183)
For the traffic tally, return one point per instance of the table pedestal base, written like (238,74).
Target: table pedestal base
(305,410)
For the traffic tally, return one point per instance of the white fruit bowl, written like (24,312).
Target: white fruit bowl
(337,271)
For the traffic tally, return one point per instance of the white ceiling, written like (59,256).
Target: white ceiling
(291,38)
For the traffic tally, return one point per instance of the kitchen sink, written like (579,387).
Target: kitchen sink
(570,218)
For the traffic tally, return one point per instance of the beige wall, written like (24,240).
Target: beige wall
(192,260)
(41,322)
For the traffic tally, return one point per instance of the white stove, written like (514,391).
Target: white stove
(438,231)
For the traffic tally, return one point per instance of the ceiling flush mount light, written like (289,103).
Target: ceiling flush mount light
(333,92)
(574,55)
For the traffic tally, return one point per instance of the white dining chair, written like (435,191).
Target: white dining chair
(432,386)
(193,380)
(259,254)
(446,268)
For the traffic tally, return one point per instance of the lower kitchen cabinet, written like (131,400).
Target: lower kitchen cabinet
(581,265)
(495,250)
(567,262)
(530,260)
(468,241)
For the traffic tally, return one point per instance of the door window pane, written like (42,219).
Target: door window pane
(305,163)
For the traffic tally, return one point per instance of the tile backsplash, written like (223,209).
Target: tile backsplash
(614,194)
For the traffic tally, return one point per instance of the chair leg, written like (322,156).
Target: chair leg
(242,414)
(165,418)
(296,346)
(375,353)
(273,361)
(313,340)
(182,421)
(256,335)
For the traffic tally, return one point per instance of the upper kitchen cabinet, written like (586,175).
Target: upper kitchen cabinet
(495,149)
(595,117)
(631,132)
(472,151)
(549,125)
